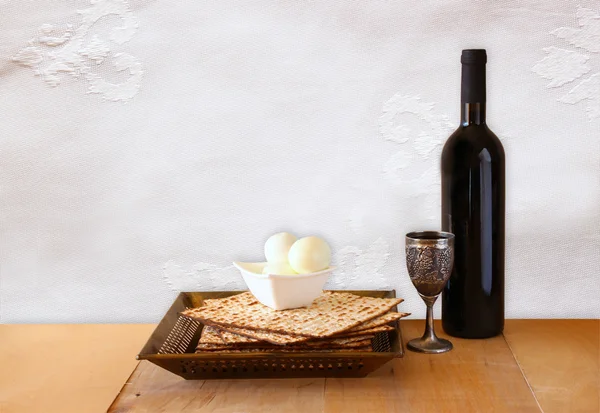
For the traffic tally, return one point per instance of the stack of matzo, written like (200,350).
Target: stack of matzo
(334,322)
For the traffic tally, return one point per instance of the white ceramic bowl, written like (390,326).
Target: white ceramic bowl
(281,292)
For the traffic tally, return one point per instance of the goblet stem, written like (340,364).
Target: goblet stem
(429,342)
(429,331)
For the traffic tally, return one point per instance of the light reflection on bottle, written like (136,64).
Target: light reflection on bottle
(485,213)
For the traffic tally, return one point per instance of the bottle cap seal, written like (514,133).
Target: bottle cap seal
(473,57)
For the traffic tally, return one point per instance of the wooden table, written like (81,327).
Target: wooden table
(539,365)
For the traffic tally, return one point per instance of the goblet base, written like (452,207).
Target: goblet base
(429,346)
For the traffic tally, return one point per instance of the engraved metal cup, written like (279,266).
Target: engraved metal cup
(429,259)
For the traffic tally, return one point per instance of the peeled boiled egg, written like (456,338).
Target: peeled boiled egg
(278,246)
(309,254)
(279,268)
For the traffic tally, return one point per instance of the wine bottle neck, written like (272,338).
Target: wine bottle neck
(473,93)
(472,114)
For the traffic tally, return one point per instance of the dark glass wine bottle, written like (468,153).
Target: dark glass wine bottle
(473,210)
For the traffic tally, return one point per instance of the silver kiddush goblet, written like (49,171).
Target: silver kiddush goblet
(429,259)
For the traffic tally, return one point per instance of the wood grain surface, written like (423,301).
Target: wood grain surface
(66,368)
(79,368)
(561,361)
(477,376)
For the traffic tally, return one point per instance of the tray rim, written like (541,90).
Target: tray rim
(270,354)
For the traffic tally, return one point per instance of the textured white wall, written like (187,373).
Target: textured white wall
(146,145)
